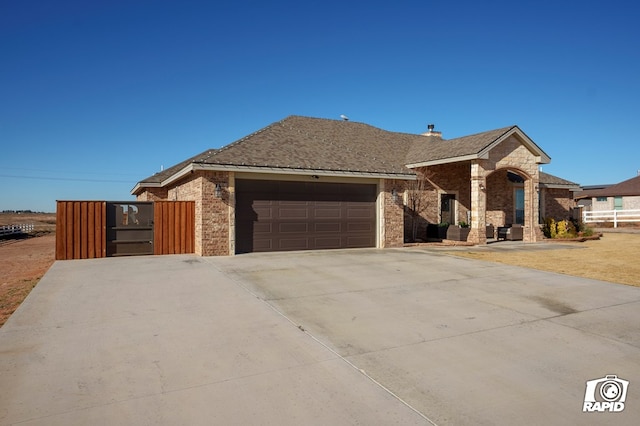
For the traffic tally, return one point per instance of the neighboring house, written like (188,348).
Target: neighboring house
(310,183)
(622,196)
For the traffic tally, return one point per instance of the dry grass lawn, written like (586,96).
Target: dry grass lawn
(613,258)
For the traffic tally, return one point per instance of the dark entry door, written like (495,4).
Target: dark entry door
(448,209)
(281,216)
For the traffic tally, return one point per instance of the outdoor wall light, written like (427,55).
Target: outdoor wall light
(394,195)
(482,187)
(217,192)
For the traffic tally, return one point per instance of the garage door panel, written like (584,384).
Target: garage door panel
(285,213)
(300,228)
(327,227)
(359,227)
(263,245)
(278,215)
(359,213)
(327,213)
(358,242)
(327,243)
(301,243)
(263,227)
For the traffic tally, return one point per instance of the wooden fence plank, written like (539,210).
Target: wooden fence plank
(76,231)
(80,229)
(183,227)
(84,234)
(157,228)
(103,229)
(60,231)
(91,230)
(191,227)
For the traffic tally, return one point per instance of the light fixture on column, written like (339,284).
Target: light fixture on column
(217,192)
(482,187)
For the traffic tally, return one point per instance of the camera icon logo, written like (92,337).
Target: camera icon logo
(606,394)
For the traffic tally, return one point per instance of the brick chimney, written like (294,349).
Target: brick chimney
(431,132)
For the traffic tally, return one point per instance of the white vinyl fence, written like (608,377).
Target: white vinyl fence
(614,216)
(16,229)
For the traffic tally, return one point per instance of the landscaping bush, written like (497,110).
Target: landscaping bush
(571,228)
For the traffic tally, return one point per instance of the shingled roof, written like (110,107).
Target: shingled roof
(439,150)
(319,144)
(336,146)
(627,188)
(552,181)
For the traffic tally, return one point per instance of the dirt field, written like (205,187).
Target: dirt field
(23,263)
(43,222)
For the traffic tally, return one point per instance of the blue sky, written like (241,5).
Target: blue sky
(97,95)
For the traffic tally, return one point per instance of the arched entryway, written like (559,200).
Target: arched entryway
(511,198)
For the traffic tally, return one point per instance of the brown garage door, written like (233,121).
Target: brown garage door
(280,216)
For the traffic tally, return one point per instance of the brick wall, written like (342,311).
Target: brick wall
(500,199)
(557,203)
(393,213)
(153,194)
(212,214)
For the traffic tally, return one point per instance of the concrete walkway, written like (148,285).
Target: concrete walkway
(367,336)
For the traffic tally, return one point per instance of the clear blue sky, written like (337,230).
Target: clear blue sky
(97,95)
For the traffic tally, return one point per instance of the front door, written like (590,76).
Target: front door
(519,206)
(448,209)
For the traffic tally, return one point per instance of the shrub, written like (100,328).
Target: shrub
(565,229)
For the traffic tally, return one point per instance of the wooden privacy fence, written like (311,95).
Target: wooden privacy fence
(174,227)
(81,229)
(93,229)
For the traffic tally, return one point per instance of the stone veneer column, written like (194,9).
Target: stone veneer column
(477,234)
(532,231)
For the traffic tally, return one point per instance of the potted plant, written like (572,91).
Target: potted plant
(442,230)
(458,232)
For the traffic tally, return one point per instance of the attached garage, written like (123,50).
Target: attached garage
(284,215)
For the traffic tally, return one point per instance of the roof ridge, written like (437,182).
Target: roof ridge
(348,149)
(506,129)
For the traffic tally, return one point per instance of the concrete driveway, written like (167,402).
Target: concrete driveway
(328,337)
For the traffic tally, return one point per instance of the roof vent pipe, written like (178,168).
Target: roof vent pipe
(431,132)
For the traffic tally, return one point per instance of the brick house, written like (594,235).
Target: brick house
(621,196)
(310,183)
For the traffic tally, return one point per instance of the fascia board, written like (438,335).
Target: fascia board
(274,170)
(283,170)
(445,161)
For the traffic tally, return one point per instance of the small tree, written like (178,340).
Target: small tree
(416,200)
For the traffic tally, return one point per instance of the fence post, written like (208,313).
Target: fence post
(615,218)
